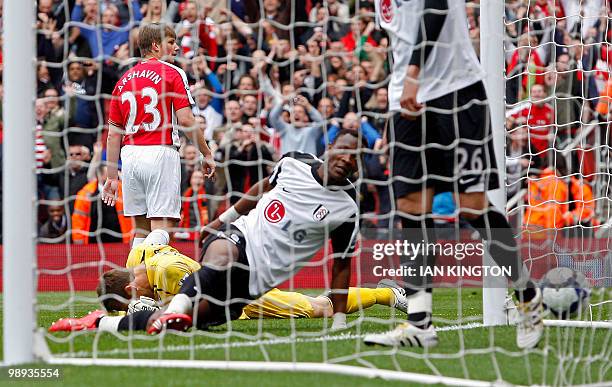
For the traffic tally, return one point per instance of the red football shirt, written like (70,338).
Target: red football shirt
(539,120)
(144,101)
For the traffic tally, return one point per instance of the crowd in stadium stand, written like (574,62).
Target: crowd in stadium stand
(557,87)
(272,76)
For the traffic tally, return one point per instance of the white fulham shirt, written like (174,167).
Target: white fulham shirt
(294,220)
(452,64)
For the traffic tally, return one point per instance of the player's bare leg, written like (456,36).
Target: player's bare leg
(168,224)
(495,229)
(416,203)
(145,225)
(141,230)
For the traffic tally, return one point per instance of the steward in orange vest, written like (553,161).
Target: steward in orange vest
(91,215)
(546,201)
(581,206)
(554,203)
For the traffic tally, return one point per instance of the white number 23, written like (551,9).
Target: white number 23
(150,108)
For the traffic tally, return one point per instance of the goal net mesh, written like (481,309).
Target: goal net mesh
(248,63)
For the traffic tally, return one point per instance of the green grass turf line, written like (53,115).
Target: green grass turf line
(164,377)
(568,346)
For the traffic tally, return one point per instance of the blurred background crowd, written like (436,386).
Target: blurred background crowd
(272,76)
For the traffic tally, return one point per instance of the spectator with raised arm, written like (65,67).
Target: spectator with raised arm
(111,32)
(79,88)
(157,12)
(209,102)
(302,130)
(49,41)
(273,10)
(352,122)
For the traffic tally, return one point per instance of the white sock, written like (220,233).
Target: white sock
(157,237)
(181,303)
(137,242)
(421,301)
(109,323)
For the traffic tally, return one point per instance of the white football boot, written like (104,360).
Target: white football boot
(401,302)
(404,334)
(530,327)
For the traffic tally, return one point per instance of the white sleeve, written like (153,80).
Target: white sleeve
(276,172)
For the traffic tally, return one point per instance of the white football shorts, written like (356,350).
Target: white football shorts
(151,178)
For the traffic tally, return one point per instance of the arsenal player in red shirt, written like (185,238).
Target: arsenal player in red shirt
(149,101)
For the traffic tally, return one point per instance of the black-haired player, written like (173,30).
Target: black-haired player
(272,232)
(442,141)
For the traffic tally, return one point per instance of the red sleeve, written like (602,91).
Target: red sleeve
(181,95)
(513,62)
(114,112)
(208,43)
(559,12)
(349,42)
(521,113)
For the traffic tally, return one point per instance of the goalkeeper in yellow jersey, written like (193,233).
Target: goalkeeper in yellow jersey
(155,273)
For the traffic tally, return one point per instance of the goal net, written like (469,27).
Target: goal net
(270,77)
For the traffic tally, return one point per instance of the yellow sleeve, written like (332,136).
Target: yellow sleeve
(141,254)
(136,257)
(168,281)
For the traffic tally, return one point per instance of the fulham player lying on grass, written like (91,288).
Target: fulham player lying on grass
(155,272)
(281,223)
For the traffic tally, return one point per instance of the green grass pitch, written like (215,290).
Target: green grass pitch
(565,355)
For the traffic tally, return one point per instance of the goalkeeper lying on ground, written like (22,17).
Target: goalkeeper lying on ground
(156,272)
(264,239)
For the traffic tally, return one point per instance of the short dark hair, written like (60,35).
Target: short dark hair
(361,140)
(152,33)
(113,282)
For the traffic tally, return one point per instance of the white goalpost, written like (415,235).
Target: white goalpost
(475,338)
(492,59)
(18,182)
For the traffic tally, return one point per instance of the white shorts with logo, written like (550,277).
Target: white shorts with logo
(151,178)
